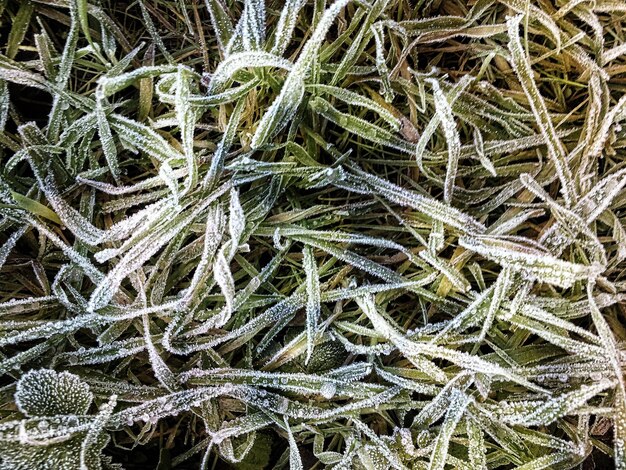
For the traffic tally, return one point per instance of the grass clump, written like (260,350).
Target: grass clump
(312,234)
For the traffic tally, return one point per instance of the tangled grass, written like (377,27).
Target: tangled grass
(361,234)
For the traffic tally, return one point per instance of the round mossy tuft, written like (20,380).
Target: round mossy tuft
(45,392)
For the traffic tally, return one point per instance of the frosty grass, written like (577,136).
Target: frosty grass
(309,234)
